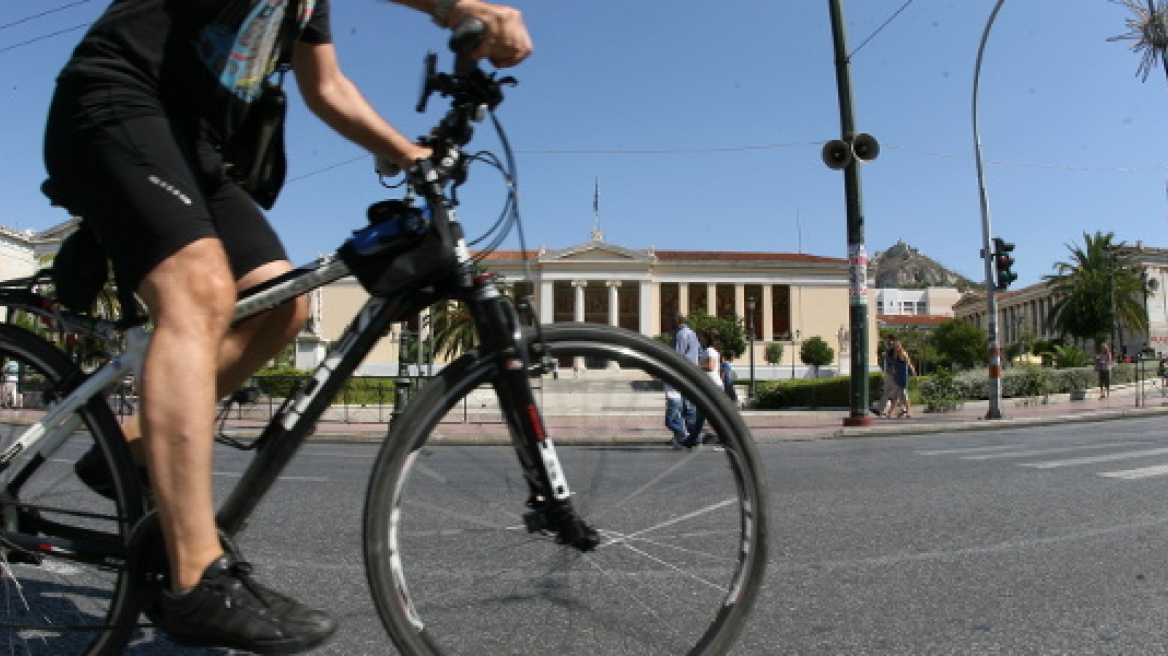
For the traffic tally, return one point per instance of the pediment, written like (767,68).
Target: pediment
(597,252)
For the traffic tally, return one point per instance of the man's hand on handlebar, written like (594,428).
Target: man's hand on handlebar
(507,42)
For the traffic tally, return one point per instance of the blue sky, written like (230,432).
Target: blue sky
(702,123)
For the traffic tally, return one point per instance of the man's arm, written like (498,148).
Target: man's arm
(507,42)
(338,102)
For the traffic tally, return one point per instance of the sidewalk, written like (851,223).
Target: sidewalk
(1055,409)
(798,425)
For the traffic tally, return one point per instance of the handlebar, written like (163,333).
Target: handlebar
(472,92)
(463,42)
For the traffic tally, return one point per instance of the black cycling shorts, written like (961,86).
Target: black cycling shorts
(147,183)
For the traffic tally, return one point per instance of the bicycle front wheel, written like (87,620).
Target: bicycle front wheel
(453,570)
(64,584)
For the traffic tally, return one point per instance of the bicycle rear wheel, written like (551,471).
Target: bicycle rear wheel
(63,547)
(453,569)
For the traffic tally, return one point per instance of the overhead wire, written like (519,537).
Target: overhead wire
(880,29)
(43,37)
(735,149)
(42,14)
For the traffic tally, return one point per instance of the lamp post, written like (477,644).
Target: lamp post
(794,345)
(995,369)
(750,336)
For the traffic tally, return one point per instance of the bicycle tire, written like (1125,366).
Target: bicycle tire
(64,549)
(452,569)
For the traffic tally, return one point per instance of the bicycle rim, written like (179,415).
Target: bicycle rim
(63,548)
(454,571)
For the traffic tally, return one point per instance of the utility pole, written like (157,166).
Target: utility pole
(995,371)
(847,154)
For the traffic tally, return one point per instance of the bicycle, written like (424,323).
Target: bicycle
(654,551)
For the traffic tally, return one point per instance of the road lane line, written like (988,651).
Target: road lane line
(1111,457)
(1134,474)
(1049,451)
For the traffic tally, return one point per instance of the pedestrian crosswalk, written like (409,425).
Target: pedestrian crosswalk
(1103,459)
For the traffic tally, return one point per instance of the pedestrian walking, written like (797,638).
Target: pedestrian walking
(728,378)
(902,368)
(710,362)
(883,407)
(1104,360)
(679,412)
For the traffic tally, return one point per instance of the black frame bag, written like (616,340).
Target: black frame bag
(255,156)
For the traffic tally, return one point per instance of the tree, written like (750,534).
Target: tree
(920,346)
(1097,290)
(773,353)
(730,332)
(816,352)
(453,329)
(960,343)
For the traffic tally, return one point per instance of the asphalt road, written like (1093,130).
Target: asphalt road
(1034,540)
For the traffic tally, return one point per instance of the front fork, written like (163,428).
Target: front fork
(550,500)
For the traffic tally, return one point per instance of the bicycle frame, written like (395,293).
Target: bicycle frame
(495,318)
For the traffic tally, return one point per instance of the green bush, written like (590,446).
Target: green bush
(1028,380)
(940,393)
(1040,381)
(279,382)
(811,393)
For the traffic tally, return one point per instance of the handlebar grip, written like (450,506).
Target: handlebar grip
(465,40)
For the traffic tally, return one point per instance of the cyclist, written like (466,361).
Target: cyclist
(141,112)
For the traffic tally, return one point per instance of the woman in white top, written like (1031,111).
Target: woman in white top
(711,360)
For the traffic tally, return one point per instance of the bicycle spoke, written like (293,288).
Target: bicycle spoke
(678,530)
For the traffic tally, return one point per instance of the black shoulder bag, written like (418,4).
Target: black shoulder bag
(255,156)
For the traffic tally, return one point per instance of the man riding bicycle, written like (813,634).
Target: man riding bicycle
(153,95)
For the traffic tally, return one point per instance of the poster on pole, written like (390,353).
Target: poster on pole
(857,274)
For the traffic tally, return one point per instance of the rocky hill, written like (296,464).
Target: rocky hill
(905,267)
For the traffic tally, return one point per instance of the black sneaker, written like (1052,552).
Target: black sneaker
(92,469)
(230,609)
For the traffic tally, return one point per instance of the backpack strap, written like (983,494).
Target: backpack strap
(289,35)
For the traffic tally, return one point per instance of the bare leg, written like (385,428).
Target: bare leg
(191,296)
(265,334)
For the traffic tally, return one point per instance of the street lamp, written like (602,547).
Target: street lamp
(750,336)
(794,345)
(995,369)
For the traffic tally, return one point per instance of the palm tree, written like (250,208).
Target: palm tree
(1097,290)
(453,329)
(1148,29)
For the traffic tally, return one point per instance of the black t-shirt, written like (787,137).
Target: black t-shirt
(205,58)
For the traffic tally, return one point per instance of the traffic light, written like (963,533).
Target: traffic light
(1003,276)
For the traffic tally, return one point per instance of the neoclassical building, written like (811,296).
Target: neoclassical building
(1023,313)
(795,296)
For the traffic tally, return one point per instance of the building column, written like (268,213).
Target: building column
(650,319)
(683,298)
(614,302)
(579,286)
(712,299)
(740,300)
(547,301)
